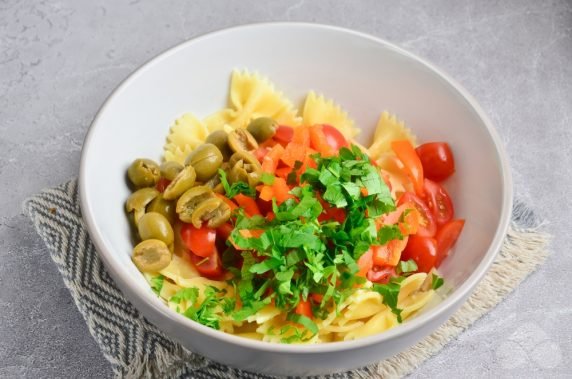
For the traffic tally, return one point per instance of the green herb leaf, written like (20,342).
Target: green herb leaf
(267,178)
(305,322)
(191,294)
(390,292)
(157,284)
(236,188)
(436,281)
(406,266)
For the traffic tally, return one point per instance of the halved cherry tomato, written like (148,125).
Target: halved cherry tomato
(334,137)
(446,238)
(427,226)
(439,202)
(304,308)
(162,184)
(423,250)
(413,167)
(210,266)
(284,134)
(437,160)
(381,274)
(200,241)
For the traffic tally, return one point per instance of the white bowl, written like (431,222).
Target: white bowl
(365,75)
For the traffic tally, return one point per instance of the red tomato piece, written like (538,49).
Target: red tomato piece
(210,267)
(411,162)
(437,160)
(200,241)
(334,137)
(381,274)
(162,184)
(388,254)
(365,263)
(423,250)
(439,202)
(446,238)
(304,308)
(284,134)
(223,231)
(427,226)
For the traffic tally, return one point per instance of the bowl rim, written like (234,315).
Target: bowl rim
(433,315)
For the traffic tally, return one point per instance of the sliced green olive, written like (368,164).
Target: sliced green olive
(189,201)
(154,225)
(213,211)
(151,255)
(143,173)
(215,184)
(164,207)
(206,160)
(182,182)
(245,168)
(245,157)
(242,140)
(169,170)
(219,138)
(262,128)
(138,201)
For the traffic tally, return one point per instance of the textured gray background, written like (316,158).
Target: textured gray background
(60,59)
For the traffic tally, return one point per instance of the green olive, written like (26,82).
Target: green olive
(169,170)
(262,128)
(138,201)
(215,184)
(242,140)
(219,138)
(151,255)
(244,156)
(206,160)
(164,207)
(189,201)
(244,168)
(143,173)
(182,182)
(154,225)
(213,211)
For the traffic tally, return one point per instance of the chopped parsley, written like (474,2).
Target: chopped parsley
(436,281)
(304,250)
(236,188)
(157,283)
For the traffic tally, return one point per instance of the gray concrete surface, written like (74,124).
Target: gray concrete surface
(60,59)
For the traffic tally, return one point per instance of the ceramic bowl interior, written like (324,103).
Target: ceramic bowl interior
(365,76)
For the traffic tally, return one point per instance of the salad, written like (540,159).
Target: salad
(293,233)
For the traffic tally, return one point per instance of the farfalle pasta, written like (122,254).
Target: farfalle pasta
(276,225)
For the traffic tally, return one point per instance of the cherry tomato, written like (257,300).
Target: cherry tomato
(439,202)
(223,231)
(200,241)
(284,134)
(437,160)
(210,266)
(334,137)
(381,274)
(162,184)
(423,250)
(413,167)
(304,308)
(427,226)
(446,238)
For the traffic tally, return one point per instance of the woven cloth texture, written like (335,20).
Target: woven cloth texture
(136,348)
